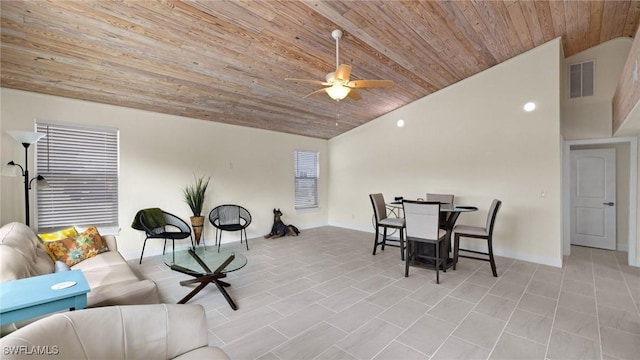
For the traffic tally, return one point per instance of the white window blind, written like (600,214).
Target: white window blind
(306,183)
(81,167)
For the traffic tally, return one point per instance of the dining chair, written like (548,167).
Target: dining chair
(422,225)
(382,221)
(442,199)
(478,232)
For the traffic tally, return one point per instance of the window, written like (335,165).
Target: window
(81,167)
(306,168)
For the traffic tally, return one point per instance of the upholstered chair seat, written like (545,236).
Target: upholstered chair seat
(472,230)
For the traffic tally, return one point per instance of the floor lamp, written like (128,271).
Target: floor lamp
(26,138)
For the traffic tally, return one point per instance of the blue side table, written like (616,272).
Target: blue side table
(40,295)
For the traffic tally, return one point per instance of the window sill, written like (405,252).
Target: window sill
(309,210)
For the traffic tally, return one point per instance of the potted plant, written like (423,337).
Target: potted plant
(194,196)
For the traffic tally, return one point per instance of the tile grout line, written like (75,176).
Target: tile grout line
(317,302)
(524,291)
(555,311)
(426,313)
(595,291)
(470,311)
(592,258)
(626,283)
(359,327)
(417,319)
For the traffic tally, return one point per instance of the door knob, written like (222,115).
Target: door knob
(608,203)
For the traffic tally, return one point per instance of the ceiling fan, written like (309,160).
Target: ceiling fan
(338,85)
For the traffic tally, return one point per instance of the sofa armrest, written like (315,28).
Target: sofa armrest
(111,241)
(130,293)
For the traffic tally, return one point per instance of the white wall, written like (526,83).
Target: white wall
(158,156)
(592,116)
(637,263)
(471,139)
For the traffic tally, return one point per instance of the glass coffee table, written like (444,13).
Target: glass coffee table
(206,266)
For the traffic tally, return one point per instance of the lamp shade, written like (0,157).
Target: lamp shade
(26,137)
(337,91)
(42,182)
(10,169)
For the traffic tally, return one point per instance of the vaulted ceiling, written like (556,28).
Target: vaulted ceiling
(226,61)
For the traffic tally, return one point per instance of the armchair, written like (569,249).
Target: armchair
(159,331)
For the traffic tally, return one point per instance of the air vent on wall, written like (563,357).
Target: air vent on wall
(581,79)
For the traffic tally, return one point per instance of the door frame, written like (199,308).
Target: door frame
(633,192)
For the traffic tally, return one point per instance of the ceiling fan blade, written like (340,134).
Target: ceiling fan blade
(343,73)
(369,83)
(354,95)
(315,92)
(308,81)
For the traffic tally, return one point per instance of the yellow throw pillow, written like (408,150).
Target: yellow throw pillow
(60,234)
(75,249)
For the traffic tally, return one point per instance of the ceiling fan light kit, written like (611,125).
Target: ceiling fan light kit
(337,91)
(338,85)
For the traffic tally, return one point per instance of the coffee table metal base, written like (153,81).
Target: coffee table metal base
(205,279)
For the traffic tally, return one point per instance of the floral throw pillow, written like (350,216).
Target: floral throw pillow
(58,235)
(74,249)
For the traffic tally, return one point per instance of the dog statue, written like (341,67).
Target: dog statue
(279,229)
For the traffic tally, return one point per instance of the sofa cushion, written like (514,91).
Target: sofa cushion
(75,249)
(22,254)
(113,282)
(108,268)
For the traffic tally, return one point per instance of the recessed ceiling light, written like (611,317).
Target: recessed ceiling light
(530,106)
(400,123)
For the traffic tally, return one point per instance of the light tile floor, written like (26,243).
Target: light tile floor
(322,295)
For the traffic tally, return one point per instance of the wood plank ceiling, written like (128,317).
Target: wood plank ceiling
(226,61)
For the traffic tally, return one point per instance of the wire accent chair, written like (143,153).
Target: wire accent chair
(230,218)
(175,229)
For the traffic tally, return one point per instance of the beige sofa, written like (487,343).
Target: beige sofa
(109,276)
(116,332)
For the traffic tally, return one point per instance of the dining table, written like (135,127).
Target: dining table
(450,213)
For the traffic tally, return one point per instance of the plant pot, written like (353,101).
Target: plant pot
(197,223)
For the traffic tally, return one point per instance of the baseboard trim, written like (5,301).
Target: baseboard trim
(497,251)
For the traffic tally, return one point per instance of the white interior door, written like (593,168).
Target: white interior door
(593,197)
